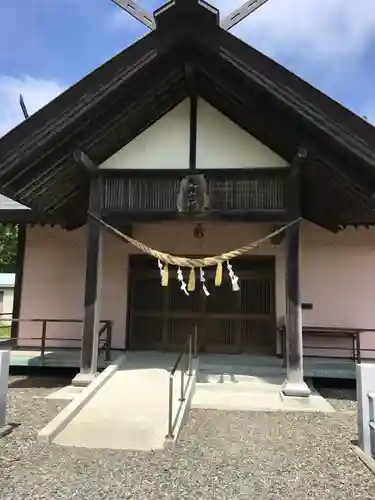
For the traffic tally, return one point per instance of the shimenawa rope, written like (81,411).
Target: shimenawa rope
(217,260)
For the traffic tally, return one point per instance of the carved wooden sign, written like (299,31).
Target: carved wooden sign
(193,197)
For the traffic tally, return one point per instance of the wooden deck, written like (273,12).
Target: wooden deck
(53,358)
(313,367)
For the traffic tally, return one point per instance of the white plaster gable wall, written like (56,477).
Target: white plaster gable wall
(220,144)
(164,145)
(223,144)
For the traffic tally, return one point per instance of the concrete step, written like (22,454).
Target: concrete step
(270,400)
(229,390)
(244,388)
(231,381)
(257,371)
(240,360)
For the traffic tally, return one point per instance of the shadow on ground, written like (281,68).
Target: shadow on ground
(39,383)
(341,390)
(43,378)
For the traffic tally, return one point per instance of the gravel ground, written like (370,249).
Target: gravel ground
(222,455)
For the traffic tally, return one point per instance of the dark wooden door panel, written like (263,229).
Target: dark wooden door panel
(178,301)
(222,299)
(146,332)
(257,296)
(258,335)
(179,330)
(221,336)
(228,322)
(147,295)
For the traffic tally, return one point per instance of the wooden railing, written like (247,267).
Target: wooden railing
(105,333)
(228,190)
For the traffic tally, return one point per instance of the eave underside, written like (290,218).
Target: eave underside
(337,179)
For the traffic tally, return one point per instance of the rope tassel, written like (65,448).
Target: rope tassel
(164,281)
(219,274)
(191,283)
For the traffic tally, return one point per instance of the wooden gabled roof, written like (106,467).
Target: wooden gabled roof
(116,102)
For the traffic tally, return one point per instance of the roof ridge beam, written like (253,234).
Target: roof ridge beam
(142,15)
(241,13)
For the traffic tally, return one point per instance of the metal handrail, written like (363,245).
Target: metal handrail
(191,352)
(327,332)
(106,328)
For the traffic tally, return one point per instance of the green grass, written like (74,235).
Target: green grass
(4,331)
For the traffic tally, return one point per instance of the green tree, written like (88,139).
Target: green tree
(8,248)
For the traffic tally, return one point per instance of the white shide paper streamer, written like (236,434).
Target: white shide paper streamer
(180,278)
(203,281)
(233,277)
(161,269)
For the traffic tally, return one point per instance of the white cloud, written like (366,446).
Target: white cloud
(36,93)
(322,30)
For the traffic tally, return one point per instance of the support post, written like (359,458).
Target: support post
(294,385)
(91,321)
(4,375)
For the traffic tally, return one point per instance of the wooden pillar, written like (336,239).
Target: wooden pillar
(91,321)
(193,94)
(294,384)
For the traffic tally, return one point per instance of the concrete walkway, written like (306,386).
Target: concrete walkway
(130,412)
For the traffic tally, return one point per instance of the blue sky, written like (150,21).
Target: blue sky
(48,45)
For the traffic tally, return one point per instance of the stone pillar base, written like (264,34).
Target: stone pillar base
(296,389)
(4,376)
(83,379)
